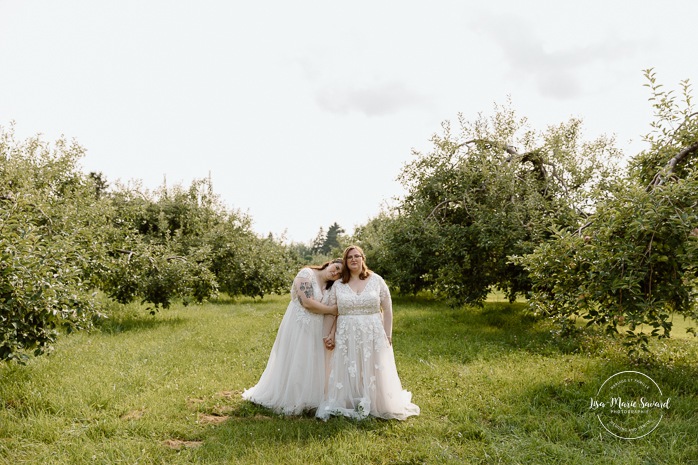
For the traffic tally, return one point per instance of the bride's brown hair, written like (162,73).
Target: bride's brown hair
(325,265)
(346,274)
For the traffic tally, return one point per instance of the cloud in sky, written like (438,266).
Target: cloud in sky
(558,70)
(371,100)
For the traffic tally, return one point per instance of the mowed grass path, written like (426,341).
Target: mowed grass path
(494,386)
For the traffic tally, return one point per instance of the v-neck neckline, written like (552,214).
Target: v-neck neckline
(362,290)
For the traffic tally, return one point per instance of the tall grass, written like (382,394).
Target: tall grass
(495,385)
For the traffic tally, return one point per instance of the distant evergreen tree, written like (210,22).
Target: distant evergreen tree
(332,239)
(318,244)
(325,243)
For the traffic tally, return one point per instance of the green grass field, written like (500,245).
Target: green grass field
(494,384)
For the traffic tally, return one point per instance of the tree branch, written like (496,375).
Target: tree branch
(129,252)
(433,212)
(584,226)
(659,178)
(684,122)
(681,155)
(510,149)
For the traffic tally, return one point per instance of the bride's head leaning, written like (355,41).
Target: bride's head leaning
(354,264)
(330,271)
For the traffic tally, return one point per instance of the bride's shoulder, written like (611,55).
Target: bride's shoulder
(339,286)
(304,272)
(378,280)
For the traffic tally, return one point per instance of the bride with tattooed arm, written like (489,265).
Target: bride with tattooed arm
(295,377)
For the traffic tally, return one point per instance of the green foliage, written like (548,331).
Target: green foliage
(65,235)
(476,199)
(48,256)
(373,238)
(673,130)
(301,253)
(179,243)
(153,275)
(158,250)
(634,262)
(400,250)
(183,243)
(247,265)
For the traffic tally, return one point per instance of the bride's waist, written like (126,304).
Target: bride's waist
(358,312)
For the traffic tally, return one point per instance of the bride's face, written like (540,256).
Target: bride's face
(333,271)
(354,260)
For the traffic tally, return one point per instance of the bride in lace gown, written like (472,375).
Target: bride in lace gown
(295,377)
(363,379)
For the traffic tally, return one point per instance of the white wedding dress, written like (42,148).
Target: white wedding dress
(294,378)
(363,379)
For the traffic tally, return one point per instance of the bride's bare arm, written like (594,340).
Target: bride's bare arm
(328,330)
(387,306)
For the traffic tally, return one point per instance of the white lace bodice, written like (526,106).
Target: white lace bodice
(367,302)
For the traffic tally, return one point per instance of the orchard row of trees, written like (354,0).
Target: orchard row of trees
(554,218)
(66,235)
(495,205)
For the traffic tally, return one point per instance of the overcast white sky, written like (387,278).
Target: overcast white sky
(305,111)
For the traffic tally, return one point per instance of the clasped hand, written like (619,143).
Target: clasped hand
(329,342)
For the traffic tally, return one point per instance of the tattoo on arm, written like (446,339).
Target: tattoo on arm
(307,289)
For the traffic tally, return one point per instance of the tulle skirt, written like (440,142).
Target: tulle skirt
(295,376)
(363,379)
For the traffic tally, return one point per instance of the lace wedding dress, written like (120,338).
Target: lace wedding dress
(294,378)
(363,379)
